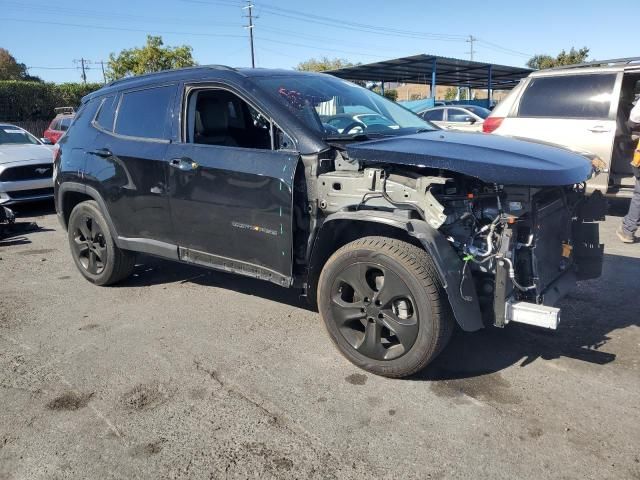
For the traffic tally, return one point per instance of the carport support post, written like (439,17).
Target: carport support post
(433,78)
(489,86)
(382,87)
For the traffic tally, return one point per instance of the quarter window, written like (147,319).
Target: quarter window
(143,113)
(571,96)
(107,113)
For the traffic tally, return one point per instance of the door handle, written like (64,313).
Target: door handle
(185,164)
(599,129)
(101,152)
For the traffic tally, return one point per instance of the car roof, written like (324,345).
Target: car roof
(10,125)
(204,72)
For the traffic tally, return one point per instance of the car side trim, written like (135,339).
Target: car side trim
(225,264)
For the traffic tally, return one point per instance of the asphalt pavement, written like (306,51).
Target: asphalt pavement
(182,372)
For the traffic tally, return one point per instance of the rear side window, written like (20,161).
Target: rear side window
(575,96)
(107,113)
(143,113)
(65,123)
(434,115)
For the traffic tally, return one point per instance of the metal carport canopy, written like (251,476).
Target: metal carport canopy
(437,71)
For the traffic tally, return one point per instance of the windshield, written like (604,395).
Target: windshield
(337,108)
(479,111)
(10,135)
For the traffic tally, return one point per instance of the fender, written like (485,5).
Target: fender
(448,264)
(143,245)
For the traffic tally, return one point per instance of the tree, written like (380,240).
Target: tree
(323,63)
(451,93)
(153,57)
(540,62)
(10,69)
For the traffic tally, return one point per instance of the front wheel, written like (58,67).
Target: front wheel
(383,306)
(93,249)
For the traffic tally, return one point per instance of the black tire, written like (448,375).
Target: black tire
(93,249)
(384,307)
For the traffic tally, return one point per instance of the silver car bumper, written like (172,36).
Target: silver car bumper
(25,189)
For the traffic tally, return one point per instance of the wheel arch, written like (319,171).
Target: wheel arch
(343,227)
(71,194)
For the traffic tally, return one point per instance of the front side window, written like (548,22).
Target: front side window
(334,107)
(458,115)
(220,117)
(143,113)
(568,96)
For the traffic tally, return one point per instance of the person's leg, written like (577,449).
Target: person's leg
(632,219)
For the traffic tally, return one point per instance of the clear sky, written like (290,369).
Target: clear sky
(53,34)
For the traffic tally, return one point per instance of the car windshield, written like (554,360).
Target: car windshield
(479,111)
(337,108)
(10,135)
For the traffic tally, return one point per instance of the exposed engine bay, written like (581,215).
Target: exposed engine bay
(520,248)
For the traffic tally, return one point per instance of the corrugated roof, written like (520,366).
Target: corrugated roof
(449,71)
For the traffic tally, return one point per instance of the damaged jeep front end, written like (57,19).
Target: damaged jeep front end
(503,253)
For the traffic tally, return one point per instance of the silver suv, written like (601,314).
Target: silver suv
(583,107)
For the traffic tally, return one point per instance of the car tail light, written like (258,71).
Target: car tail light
(491,123)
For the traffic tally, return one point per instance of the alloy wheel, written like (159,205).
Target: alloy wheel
(90,246)
(374,311)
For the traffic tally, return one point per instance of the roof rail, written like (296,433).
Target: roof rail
(595,63)
(64,110)
(152,74)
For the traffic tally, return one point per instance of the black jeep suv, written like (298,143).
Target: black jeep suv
(396,228)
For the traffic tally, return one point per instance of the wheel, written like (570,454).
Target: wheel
(92,247)
(383,306)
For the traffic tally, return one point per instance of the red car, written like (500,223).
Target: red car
(60,124)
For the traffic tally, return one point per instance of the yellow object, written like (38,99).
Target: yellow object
(636,156)
(566,250)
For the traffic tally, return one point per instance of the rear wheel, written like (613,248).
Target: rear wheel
(93,249)
(383,306)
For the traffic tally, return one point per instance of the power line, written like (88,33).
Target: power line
(102,27)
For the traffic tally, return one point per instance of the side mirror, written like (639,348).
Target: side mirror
(471,120)
(46,141)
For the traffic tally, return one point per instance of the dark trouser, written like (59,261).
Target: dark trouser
(630,222)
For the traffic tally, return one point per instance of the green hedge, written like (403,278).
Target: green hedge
(20,101)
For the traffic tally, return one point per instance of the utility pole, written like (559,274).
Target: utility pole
(83,62)
(250,16)
(104,77)
(470,40)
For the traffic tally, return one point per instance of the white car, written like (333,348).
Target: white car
(26,166)
(583,107)
(468,118)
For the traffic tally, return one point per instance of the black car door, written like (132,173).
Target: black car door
(127,162)
(231,186)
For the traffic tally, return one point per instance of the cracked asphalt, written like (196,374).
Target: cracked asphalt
(182,372)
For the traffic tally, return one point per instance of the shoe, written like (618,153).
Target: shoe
(625,236)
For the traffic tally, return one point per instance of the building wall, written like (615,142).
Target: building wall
(409,91)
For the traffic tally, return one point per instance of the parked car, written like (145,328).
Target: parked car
(26,166)
(583,107)
(395,235)
(60,124)
(359,122)
(468,118)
